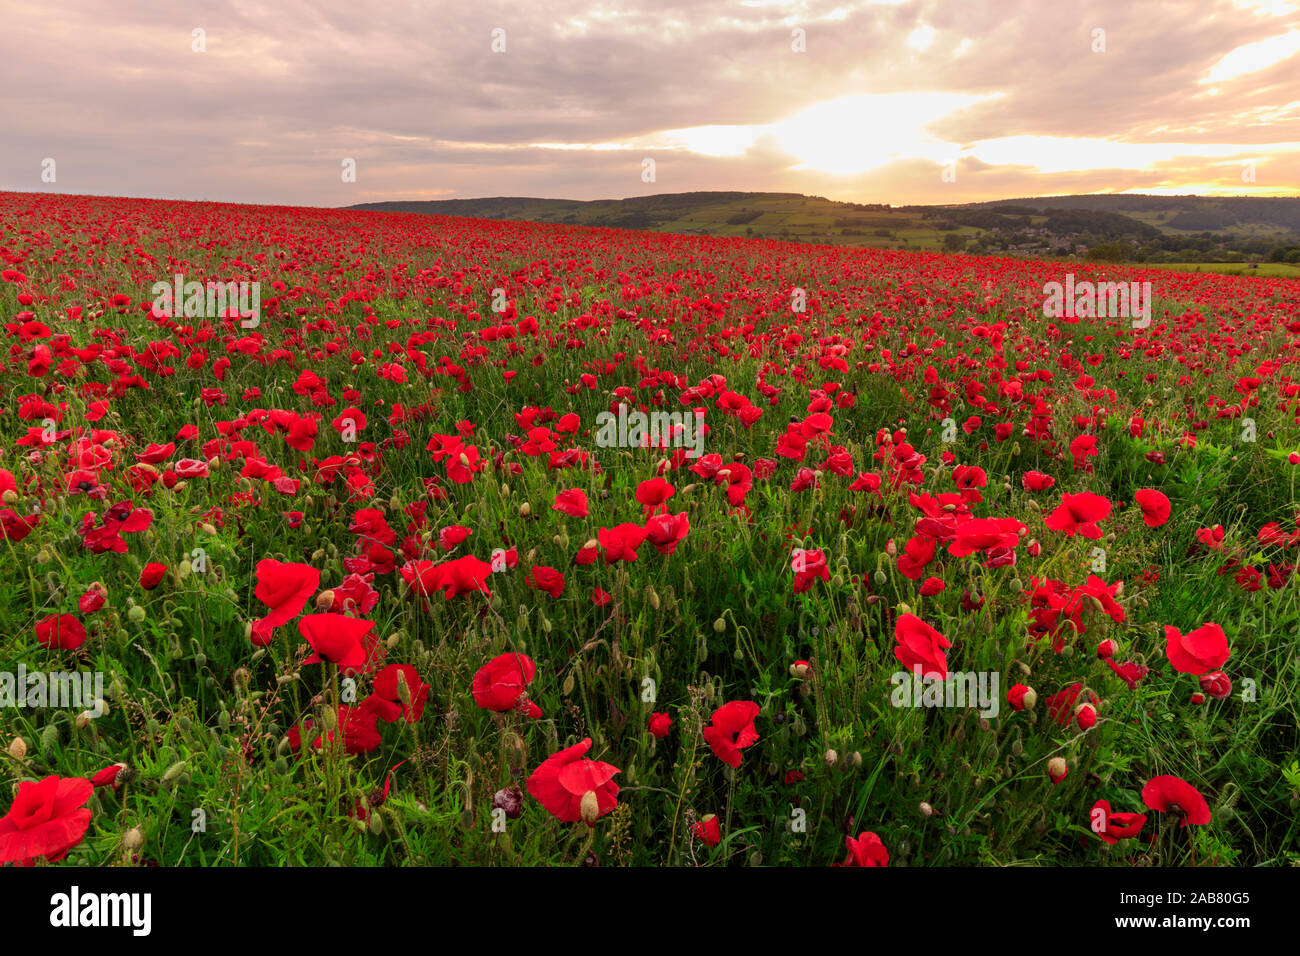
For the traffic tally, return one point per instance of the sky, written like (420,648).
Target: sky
(337,102)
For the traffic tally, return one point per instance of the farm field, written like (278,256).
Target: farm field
(371,563)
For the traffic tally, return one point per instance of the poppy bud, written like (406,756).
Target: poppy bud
(880,577)
(1198,698)
(136,614)
(376,823)
(324,600)
(927,811)
(18,748)
(133,839)
(525,510)
(719,626)
(831,758)
(589,809)
(1057,769)
(1217,685)
(10,497)
(1085,715)
(891,548)
(800,670)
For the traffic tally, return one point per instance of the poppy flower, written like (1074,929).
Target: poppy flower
(1217,685)
(152,575)
(464,575)
(809,565)
(708,830)
(1197,652)
(1155,506)
(1170,794)
(1113,827)
(46,820)
(731,730)
(572,788)
(666,531)
(336,639)
(284,588)
(1036,481)
(450,537)
(660,724)
(360,725)
(61,631)
(920,645)
(93,599)
(502,683)
(572,502)
(620,542)
(108,776)
(1079,514)
(389,693)
(653,493)
(546,579)
(14,527)
(866,850)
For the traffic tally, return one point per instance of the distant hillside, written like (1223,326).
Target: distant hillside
(1243,214)
(1146,228)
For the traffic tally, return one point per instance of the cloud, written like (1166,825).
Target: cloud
(881,97)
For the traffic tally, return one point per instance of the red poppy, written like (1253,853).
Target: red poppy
(45,821)
(708,829)
(337,639)
(546,579)
(108,776)
(284,588)
(866,850)
(660,724)
(572,788)
(667,531)
(152,575)
(920,645)
(1036,481)
(502,683)
(1217,685)
(1170,794)
(464,575)
(1079,514)
(653,493)
(388,699)
(1197,652)
(62,631)
(1113,827)
(731,730)
(572,502)
(93,599)
(1155,506)
(621,541)
(360,726)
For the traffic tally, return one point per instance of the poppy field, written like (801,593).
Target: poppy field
(436,541)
